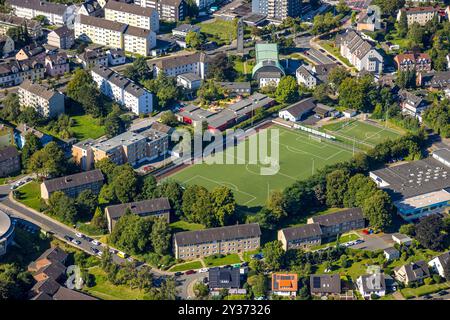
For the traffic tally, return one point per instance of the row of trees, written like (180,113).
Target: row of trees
(437,117)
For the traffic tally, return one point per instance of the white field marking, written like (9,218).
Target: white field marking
(233,186)
(301,139)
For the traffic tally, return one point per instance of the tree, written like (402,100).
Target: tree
(429,232)
(416,35)
(342,7)
(114,125)
(337,76)
(11,107)
(83,90)
(201,290)
(165,87)
(359,187)
(160,236)
(99,221)
(408,229)
(378,209)
(148,187)
(125,183)
(221,68)
(191,9)
(275,204)
(195,40)
(320,92)
(169,119)
(287,90)
(173,191)
(273,255)
(336,187)
(197,206)
(258,284)
(32,144)
(30,116)
(223,204)
(63,207)
(132,234)
(437,117)
(210,91)
(167,291)
(139,70)
(107,168)
(86,203)
(49,161)
(14,282)
(402,25)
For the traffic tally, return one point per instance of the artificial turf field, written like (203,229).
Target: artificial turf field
(361,132)
(299,157)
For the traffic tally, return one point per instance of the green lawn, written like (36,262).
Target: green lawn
(220,29)
(87,127)
(299,157)
(228,259)
(245,67)
(409,293)
(362,133)
(181,225)
(105,290)
(30,195)
(186,266)
(248,254)
(343,239)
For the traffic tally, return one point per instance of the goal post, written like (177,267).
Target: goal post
(315,138)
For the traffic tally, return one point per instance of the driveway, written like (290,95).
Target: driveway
(374,242)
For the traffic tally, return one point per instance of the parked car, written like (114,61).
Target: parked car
(75,241)
(113,251)
(189,272)
(79,235)
(95,242)
(203,270)
(68,238)
(205,280)
(177,274)
(100,253)
(94,250)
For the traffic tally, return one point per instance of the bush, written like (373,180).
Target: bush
(437,278)
(428,281)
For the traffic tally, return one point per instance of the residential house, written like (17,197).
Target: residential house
(300,237)
(361,53)
(440,264)
(267,70)
(238,238)
(63,38)
(298,110)
(173,66)
(340,222)
(13,72)
(420,62)
(159,207)
(224,278)
(91,8)
(91,58)
(57,64)
(284,284)
(8,21)
(115,57)
(9,161)
(321,71)
(48,103)
(189,81)
(55,13)
(391,254)
(144,18)
(420,15)
(22,130)
(413,272)
(411,104)
(325,284)
(123,90)
(128,147)
(168,10)
(74,184)
(305,77)
(31,51)
(6,45)
(418,188)
(370,19)
(371,284)
(183,29)
(437,80)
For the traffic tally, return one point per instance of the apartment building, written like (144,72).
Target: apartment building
(54,12)
(158,208)
(95,57)
(190,245)
(128,147)
(62,38)
(8,21)
(320,228)
(412,104)
(48,103)
(9,161)
(361,53)
(168,10)
(370,19)
(74,184)
(91,8)
(420,15)
(196,63)
(277,9)
(123,90)
(57,64)
(115,34)
(420,62)
(305,77)
(144,18)
(31,51)
(413,272)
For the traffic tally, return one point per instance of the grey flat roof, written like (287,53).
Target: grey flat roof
(5,223)
(414,178)
(443,153)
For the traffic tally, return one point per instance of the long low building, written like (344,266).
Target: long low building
(115,34)
(173,66)
(123,90)
(321,227)
(55,13)
(74,184)
(146,18)
(6,232)
(159,208)
(417,188)
(238,238)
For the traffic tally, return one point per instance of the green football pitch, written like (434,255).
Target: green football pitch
(364,134)
(299,157)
